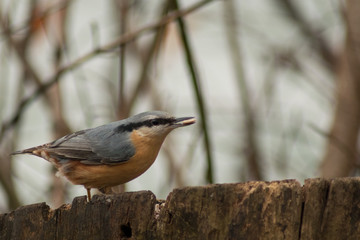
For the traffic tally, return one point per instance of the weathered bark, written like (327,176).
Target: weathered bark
(321,209)
(106,217)
(340,158)
(254,210)
(332,209)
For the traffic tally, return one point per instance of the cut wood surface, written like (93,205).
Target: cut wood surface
(320,209)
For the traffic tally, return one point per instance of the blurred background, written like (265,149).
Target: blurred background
(274,85)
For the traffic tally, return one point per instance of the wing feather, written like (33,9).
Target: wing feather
(101,145)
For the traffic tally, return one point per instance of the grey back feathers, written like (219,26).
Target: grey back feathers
(107,144)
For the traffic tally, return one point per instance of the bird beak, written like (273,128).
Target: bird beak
(184,121)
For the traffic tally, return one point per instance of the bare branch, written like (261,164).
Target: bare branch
(199,96)
(251,147)
(147,59)
(320,44)
(122,106)
(119,42)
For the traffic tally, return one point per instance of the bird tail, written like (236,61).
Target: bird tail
(25,151)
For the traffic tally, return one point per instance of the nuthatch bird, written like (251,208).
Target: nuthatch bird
(110,154)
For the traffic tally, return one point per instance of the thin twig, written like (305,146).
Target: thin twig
(122,106)
(147,60)
(340,144)
(199,97)
(20,47)
(251,147)
(61,5)
(320,43)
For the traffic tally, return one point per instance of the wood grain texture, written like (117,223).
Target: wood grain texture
(321,209)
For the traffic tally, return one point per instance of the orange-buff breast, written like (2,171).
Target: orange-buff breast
(99,176)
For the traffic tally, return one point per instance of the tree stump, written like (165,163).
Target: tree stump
(321,209)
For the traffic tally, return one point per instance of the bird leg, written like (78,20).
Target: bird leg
(88,194)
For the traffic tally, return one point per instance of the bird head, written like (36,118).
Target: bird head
(156,124)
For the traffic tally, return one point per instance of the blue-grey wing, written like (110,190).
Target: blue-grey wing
(101,145)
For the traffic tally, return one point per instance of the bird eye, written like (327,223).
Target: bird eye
(155,122)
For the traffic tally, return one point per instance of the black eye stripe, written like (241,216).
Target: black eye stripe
(155,122)
(147,123)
